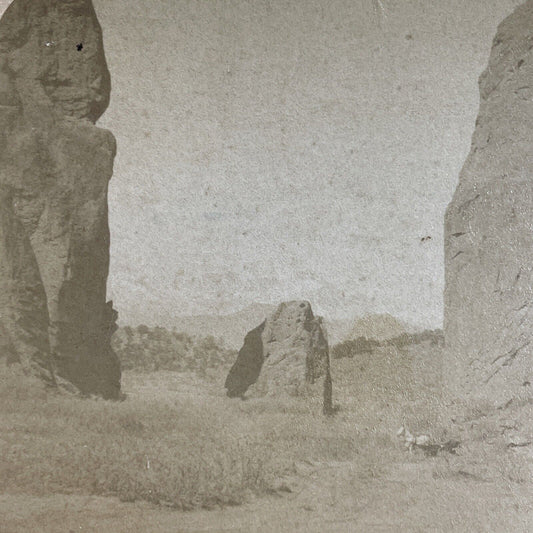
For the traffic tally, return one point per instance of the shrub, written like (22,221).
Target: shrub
(362,345)
(150,349)
(354,347)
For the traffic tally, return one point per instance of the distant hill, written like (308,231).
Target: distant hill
(338,330)
(231,329)
(378,327)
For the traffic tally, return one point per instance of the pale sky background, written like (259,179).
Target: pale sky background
(288,149)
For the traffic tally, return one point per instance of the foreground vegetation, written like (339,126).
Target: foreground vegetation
(167,451)
(177,441)
(195,451)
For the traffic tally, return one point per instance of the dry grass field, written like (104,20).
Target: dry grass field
(177,455)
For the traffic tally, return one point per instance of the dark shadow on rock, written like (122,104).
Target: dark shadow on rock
(246,369)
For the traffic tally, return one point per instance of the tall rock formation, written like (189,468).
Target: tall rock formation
(488,321)
(283,354)
(55,165)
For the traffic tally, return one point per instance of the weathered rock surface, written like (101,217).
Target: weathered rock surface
(55,165)
(488,320)
(283,354)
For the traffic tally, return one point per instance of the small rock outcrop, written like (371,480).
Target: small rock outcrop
(488,317)
(286,352)
(55,165)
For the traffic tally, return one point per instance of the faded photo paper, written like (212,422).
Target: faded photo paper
(266,266)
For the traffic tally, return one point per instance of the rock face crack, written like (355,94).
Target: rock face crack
(509,358)
(55,165)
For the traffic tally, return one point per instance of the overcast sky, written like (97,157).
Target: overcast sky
(281,149)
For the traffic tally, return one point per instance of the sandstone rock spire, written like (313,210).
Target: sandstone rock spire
(55,165)
(488,321)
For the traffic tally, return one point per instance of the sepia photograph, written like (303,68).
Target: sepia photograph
(266,266)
